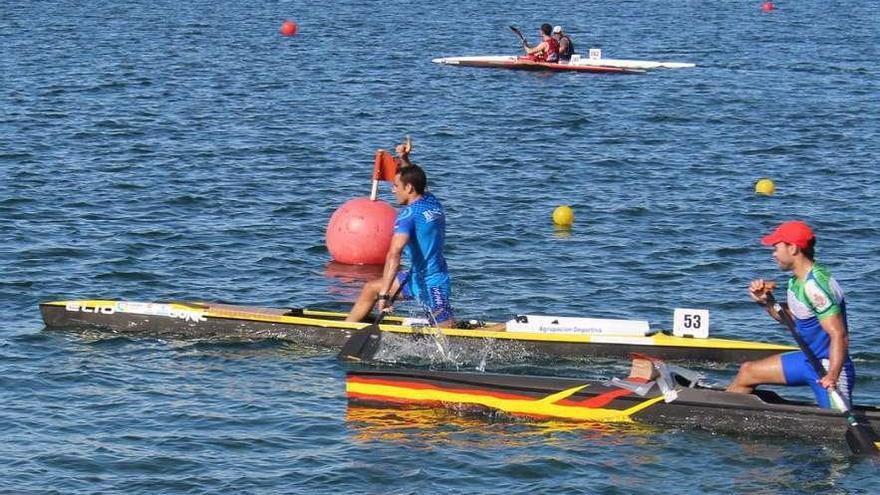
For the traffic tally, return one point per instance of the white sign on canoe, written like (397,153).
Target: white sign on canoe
(690,323)
(589,326)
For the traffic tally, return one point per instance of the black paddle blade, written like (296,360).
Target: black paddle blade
(520,35)
(362,345)
(861,440)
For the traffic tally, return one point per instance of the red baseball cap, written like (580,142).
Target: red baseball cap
(792,232)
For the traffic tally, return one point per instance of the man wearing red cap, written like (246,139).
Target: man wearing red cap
(817,305)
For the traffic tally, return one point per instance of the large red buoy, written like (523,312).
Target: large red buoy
(288,28)
(767,6)
(360,231)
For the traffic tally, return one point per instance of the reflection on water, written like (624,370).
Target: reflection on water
(472,427)
(754,466)
(345,281)
(352,273)
(561,232)
(764,463)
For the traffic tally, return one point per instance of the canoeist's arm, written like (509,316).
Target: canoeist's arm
(564,44)
(392,265)
(759,290)
(403,155)
(838,346)
(538,48)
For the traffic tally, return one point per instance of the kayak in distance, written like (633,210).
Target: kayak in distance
(672,398)
(524,336)
(577,64)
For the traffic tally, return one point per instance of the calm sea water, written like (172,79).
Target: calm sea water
(158,150)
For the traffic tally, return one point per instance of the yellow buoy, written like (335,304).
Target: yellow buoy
(563,216)
(765,187)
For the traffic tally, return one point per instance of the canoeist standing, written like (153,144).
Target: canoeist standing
(419,233)
(816,303)
(566,47)
(545,51)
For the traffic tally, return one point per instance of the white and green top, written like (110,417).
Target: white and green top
(817,297)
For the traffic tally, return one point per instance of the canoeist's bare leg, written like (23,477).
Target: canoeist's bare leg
(752,373)
(367,299)
(446,324)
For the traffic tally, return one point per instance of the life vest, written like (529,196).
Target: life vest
(568,52)
(552,52)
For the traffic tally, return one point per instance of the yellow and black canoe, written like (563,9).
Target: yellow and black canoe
(327,328)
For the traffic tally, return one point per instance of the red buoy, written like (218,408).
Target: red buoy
(288,28)
(767,6)
(360,231)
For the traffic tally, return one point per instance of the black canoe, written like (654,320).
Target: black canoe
(762,414)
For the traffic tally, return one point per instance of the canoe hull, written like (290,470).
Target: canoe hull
(326,329)
(765,414)
(578,64)
(516,63)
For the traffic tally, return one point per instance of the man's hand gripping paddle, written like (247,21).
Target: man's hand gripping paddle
(364,342)
(859,436)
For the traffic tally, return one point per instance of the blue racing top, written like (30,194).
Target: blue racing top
(425,224)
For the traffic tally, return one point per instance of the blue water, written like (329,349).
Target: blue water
(158,150)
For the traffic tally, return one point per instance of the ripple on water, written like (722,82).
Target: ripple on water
(196,154)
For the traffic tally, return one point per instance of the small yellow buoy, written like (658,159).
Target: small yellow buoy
(563,216)
(765,187)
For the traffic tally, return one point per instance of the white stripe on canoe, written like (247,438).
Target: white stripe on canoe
(601,62)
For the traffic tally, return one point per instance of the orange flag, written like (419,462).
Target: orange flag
(385,167)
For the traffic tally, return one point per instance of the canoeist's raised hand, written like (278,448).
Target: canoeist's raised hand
(759,290)
(404,148)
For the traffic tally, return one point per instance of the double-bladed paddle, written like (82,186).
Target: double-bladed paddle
(364,342)
(859,435)
(521,37)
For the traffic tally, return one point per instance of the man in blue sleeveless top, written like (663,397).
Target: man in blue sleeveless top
(419,234)
(817,305)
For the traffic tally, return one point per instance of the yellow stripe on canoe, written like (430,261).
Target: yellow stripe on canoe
(530,407)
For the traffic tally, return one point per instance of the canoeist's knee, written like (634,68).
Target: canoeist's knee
(372,287)
(747,372)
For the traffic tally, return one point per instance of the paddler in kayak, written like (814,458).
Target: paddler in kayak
(817,305)
(419,232)
(545,51)
(566,47)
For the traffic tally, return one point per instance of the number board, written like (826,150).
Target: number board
(691,323)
